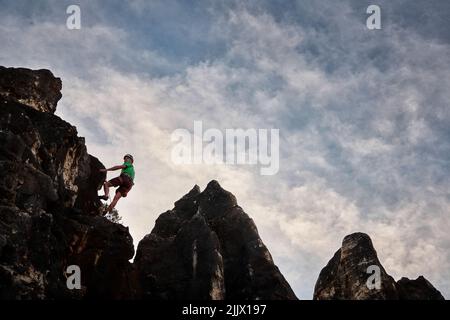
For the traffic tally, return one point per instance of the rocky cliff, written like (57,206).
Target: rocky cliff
(48,200)
(205,248)
(356,263)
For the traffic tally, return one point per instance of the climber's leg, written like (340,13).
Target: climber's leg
(106,187)
(108,184)
(114,202)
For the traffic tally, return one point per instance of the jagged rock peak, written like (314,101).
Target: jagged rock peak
(207,247)
(346,276)
(357,239)
(214,185)
(418,289)
(214,192)
(212,202)
(195,190)
(188,197)
(38,89)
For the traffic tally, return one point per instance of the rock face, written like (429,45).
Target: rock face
(38,89)
(346,275)
(48,200)
(419,289)
(207,247)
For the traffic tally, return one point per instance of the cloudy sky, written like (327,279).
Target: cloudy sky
(363,115)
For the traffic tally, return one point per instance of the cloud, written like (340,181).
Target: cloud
(363,118)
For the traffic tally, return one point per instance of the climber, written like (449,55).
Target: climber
(125,181)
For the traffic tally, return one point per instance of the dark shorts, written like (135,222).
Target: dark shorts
(123,182)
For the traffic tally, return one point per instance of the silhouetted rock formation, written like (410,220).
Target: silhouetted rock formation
(419,289)
(346,275)
(38,89)
(48,200)
(207,247)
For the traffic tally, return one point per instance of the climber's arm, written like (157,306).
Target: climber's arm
(113,168)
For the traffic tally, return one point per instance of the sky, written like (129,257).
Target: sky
(363,115)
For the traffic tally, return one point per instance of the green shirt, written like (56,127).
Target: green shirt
(128,170)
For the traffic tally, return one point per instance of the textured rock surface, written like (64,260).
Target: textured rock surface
(419,289)
(346,274)
(48,200)
(207,247)
(38,89)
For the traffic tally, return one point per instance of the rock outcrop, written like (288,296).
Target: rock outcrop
(418,289)
(347,274)
(48,200)
(207,247)
(38,89)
